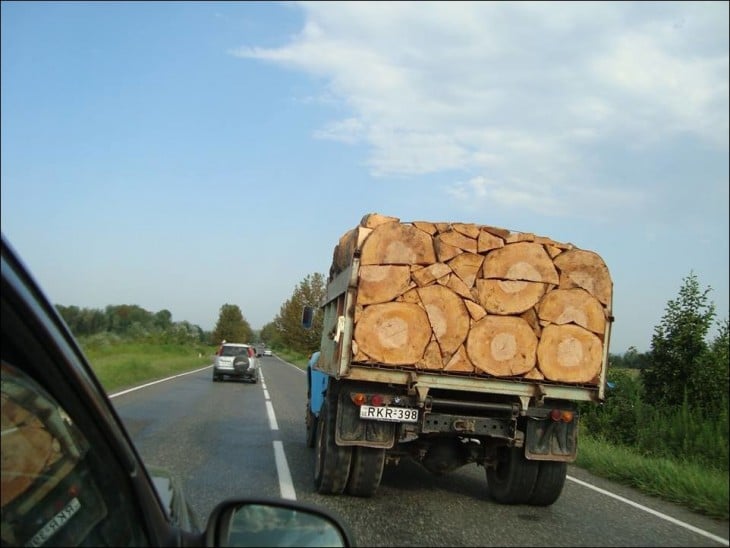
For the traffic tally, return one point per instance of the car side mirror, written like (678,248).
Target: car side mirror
(307,317)
(273,522)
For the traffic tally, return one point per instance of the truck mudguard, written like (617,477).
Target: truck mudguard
(317,385)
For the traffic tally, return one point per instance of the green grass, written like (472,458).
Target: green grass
(123,365)
(689,484)
(692,485)
(297,358)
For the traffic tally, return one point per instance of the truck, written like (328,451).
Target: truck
(453,343)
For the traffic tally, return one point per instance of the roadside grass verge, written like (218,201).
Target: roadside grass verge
(124,365)
(291,356)
(691,485)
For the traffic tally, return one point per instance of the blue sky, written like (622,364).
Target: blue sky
(182,156)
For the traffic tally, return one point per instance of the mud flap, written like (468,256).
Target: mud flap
(352,430)
(550,440)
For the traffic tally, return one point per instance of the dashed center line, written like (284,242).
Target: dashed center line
(286,485)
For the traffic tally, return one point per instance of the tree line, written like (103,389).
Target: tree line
(130,322)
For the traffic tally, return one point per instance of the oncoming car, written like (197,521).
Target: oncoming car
(70,474)
(235,360)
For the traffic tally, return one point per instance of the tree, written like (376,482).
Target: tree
(231,326)
(163,319)
(678,359)
(633,359)
(709,387)
(288,322)
(269,335)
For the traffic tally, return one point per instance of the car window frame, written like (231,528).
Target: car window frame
(37,341)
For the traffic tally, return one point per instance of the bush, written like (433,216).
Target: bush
(618,419)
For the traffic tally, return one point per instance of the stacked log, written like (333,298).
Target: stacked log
(476,299)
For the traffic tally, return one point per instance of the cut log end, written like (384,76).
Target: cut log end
(393,333)
(502,346)
(569,353)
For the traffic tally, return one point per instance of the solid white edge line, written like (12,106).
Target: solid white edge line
(157,382)
(286,485)
(670,519)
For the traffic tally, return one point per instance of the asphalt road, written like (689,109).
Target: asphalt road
(221,440)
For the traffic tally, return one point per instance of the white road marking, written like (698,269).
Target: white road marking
(157,382)
(272,417)
(286,486)
(652,512)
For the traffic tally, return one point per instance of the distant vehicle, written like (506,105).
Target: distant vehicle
(268,352)
(236,360)
(71,475)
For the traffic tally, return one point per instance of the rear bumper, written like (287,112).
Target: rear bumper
(243,374)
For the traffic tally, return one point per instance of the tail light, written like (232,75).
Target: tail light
(359,398)
(558,415)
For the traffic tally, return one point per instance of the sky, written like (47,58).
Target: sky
(186,155)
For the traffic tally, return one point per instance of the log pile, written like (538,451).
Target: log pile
(476,299)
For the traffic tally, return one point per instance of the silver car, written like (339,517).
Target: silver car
(235,360)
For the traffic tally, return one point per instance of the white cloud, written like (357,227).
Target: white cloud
(349,130)
(527,94)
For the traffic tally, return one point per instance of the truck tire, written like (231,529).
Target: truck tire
(311,422)
(366,471)
(549,483)
(332,462)
(513,478)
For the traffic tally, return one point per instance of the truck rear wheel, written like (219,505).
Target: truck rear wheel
(549,483)
(366,471)
(513,479)
(332,462)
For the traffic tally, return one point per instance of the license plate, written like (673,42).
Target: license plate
(56,522)
(390,414)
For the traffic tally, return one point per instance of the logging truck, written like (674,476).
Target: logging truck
(455,343)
